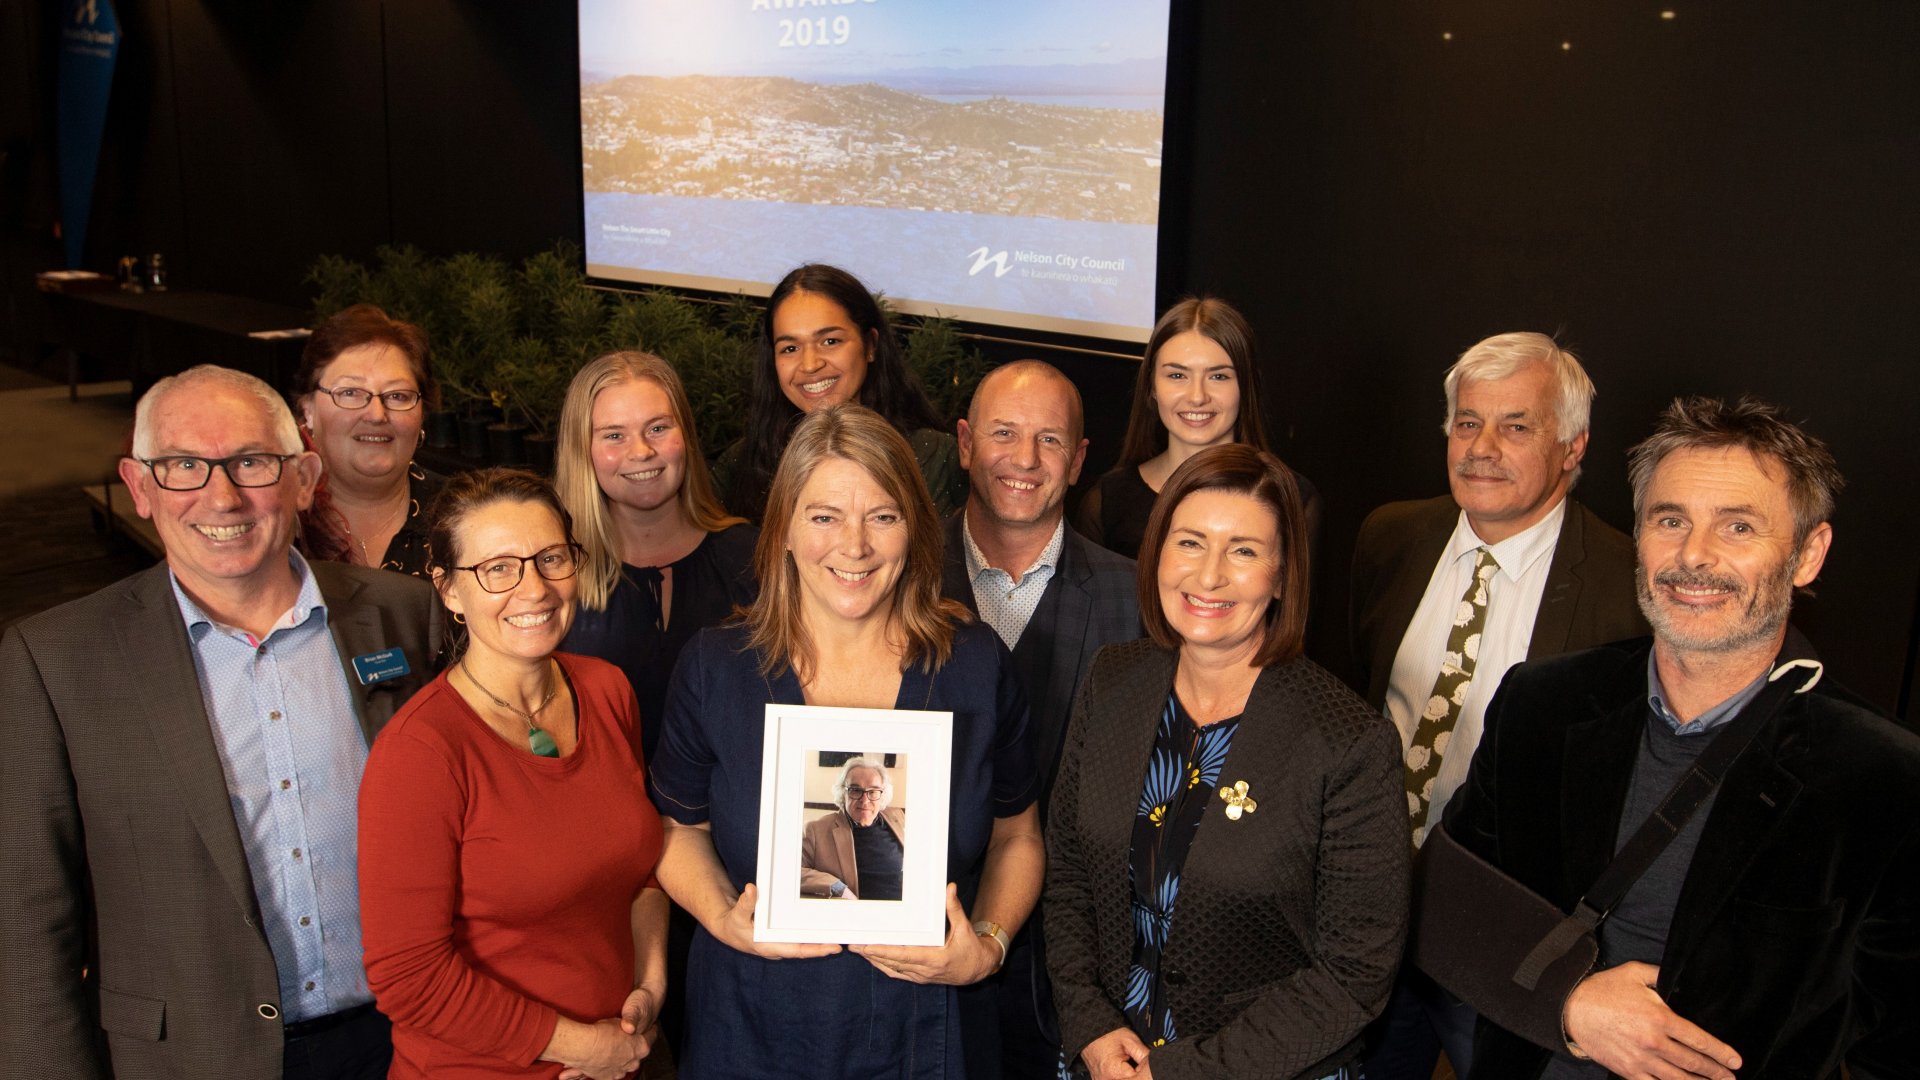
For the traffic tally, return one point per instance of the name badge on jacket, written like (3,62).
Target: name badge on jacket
(375,667)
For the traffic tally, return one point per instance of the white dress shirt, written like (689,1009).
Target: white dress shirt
(1003,605)
(1513,599)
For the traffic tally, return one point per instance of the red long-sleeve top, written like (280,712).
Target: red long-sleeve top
(495,886)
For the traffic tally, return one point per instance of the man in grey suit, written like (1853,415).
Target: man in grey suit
(1055,598)
(1449,593)
(179,853)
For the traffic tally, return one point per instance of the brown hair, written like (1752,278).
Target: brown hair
(579,487)
(467,493)
(351,328)
(1218,322)
(1763,430)
(857,434)
(1242,470)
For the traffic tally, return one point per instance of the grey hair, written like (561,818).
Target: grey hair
(846,770)
(286,432)
(1503,355)
(1761,429)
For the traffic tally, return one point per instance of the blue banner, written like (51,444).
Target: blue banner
(89,44)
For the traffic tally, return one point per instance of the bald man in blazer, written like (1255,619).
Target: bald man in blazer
(1023,444)
(136,940)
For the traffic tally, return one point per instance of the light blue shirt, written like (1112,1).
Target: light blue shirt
(292,750)
(1706,721)
(1003,605)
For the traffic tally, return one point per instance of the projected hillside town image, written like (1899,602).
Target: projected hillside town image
(994,161)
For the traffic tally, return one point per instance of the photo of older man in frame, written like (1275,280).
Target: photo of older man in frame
(856,848)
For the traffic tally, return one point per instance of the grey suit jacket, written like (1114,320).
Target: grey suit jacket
(1090,603)
(1589,598)
(120,858)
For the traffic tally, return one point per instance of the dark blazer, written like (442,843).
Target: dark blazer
(1796,939)
(1589,598)
(826,851)
(121,854)
(1290,920)
(1091,602)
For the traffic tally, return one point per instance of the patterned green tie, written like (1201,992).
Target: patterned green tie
(1449,692)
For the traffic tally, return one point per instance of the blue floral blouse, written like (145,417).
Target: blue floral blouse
(1182,776)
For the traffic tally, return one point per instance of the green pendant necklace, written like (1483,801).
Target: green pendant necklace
(538,741)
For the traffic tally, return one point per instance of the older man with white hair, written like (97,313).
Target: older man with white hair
(858,852)
(1449,593)
(179,859)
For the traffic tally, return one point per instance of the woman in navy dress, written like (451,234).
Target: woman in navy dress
(849,614)
(663,559)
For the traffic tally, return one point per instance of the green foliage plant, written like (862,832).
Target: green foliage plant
(512,337)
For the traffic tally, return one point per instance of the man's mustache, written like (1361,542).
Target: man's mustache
(1480,470)
(1688,579)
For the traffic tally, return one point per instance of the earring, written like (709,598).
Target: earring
(459,619)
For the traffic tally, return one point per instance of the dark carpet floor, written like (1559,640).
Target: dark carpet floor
(56,552)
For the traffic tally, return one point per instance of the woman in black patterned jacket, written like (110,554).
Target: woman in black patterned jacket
(1240,910)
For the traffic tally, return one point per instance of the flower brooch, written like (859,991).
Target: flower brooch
(1237,800)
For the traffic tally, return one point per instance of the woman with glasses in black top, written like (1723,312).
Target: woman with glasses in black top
(361,394)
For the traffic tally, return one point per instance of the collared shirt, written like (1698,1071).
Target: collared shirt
(1706,721)
(1513,599)
(1005,606)
(292,749)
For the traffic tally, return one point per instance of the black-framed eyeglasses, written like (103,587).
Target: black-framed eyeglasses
(183,473)
(353,397)
(501,573)
(861,794)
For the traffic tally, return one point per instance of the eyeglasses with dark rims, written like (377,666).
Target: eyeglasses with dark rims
(862,794)
(503,572)
(353,397)
(180,472)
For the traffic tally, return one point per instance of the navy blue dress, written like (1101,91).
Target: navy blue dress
(708,583)
(836,1016)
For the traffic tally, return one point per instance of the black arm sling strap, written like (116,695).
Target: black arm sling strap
(1652,837)
(1515,957)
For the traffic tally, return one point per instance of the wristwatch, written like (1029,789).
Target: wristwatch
(987,928)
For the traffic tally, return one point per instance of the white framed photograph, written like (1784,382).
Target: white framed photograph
(853,826)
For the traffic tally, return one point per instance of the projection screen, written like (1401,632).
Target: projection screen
(996,161)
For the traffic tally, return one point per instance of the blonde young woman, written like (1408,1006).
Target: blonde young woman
(850,615)
(663,559)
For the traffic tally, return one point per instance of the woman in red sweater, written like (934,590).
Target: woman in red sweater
(511,922)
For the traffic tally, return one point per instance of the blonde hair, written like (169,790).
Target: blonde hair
(857,434)
(579,488)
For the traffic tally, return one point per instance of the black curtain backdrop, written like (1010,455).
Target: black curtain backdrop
(1720,201)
